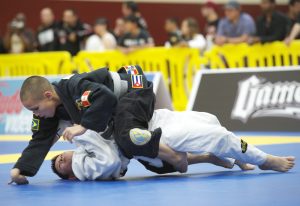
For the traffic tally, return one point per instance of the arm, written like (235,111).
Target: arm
(295,32)
(83,31)
(237,40)
(98,103)
(34,154)
(221,34)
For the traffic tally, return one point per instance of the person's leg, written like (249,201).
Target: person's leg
(208,158)
(245,153)
(200,133)
(218,161)
(177,159)
(131,131)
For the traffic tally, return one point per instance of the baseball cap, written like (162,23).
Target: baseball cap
(232,5)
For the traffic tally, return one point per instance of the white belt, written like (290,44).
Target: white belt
(120,86)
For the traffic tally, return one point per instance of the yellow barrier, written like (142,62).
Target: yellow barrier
(257,55)
(178,65)
(39,63)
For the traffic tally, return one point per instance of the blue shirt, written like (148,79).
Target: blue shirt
(245,25)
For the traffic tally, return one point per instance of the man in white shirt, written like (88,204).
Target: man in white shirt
(102,40)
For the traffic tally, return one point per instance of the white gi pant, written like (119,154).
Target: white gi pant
(199,133)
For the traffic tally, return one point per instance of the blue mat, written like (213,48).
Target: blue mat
(204,184)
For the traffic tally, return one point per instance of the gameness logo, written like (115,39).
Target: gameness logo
(258,98)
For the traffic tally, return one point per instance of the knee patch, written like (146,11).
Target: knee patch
(139,136)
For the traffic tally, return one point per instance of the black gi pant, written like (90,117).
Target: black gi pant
(135,109)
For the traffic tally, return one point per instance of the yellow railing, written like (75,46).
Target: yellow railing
(37,63)
(257,55)
(178,65)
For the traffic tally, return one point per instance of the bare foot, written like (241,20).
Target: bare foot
(244,166)
(280,164)
(219,162)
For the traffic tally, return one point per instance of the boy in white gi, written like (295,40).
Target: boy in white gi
(188,132)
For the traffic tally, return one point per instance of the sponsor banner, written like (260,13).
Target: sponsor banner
(250,99)
(15,119)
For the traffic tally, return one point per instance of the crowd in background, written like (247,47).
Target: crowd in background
(130,31)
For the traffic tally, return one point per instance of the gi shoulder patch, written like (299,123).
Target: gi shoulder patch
(35,124)
(85,99)
(137,81)
(139,136)
(131,70)
(244,146)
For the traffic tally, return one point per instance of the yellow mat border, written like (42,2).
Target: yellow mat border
(255,140)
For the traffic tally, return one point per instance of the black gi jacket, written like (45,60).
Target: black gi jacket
(95,117)
(139,106)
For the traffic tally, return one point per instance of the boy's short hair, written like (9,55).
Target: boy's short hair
(65,177)
(34,87)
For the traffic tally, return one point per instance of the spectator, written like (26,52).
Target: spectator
(2,50)
(119,29)
(174,33)
(18,38)
(72,32)
(294,33)
(102,39)
(209,12)
(47,32)
(271,26)
(131,8)
(135,37)
(294,10)
(28,32)
(191,36)
(236,27)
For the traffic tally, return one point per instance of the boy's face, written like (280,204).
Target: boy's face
(63,163)
(42,108)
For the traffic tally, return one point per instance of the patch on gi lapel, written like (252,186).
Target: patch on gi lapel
(35,124)
(244,146)
(85,99)
(78,104)
(139,136)
(131,70)
(137,81)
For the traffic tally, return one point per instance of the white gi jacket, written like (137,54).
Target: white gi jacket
(96,158)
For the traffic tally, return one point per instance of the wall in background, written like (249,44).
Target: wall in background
(154,13)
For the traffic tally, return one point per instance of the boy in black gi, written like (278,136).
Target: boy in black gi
(90,101)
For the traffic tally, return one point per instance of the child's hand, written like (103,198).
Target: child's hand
(71,132)
(17,177)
